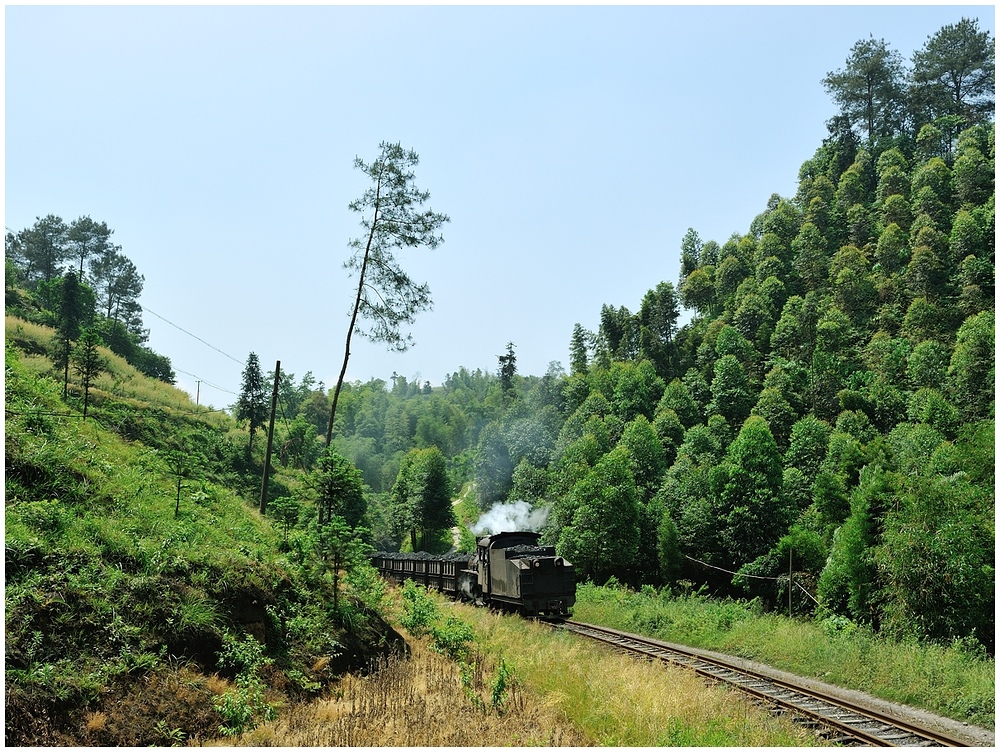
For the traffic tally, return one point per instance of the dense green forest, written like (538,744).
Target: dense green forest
(827,410)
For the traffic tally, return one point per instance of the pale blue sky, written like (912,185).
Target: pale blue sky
(572,146)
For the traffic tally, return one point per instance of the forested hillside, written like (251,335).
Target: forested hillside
(827,411)
(830,406)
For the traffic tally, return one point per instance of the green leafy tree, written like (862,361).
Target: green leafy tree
(604,531)
(43,250)
(118,285)
(810,259)
(507,371)
(340,547)
(647,459)
(807,446)
(88,363)
(698,290)
(285,510)
(578,349)
(340,489)
(658,327)
(251,405)
(72,315)
(849,583)
(676,397)
(633,389)
(301,446)
(953,73)
(730,272)
(746,493)
(776,410)
(869,89)
(971,373)
(402,510)
(87,239)
(927,365)
(691,247)
(936,562)
(392,219)
(928,405)
(893,171)
(618,334)
(976,277)
(972,173)
(731,393)
(732,341)
(422,496)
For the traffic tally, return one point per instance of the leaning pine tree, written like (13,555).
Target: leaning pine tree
(392,219)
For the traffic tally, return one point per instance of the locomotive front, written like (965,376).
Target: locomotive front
(517,573)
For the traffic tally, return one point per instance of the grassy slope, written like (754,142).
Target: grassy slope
(118,601)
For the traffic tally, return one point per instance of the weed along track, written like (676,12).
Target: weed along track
(836,718)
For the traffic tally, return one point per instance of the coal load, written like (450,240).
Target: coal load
(520,551)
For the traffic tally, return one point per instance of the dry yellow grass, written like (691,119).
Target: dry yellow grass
(96,721)
(415,702)
(567,692)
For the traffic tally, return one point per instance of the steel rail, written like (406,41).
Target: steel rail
(853,722)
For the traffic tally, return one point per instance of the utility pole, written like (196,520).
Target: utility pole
(789,582)
(270,439)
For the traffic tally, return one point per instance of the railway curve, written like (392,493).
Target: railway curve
(848,718)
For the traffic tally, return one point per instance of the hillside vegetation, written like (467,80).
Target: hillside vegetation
(146,601)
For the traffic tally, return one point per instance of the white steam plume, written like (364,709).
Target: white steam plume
(512,517)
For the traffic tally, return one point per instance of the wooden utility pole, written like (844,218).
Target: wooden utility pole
(789,582)
(270,439)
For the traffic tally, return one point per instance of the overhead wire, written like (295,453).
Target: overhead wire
(207,344)
(205,381)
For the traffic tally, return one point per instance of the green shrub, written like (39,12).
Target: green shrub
(419,611)
(244,707)
(452,637)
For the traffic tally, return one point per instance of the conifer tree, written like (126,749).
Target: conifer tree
(71,315)
(252,403)
(954,72)
(88,363)
(869,89)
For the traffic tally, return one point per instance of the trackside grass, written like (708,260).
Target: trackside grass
(619,701)
(557,690)
(957,680)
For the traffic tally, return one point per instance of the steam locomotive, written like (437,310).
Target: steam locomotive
(508,570)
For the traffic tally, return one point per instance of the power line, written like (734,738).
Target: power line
(739,574)
(207,344)
(205,381)
(754,576)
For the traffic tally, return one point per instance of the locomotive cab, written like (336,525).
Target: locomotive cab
(515,572)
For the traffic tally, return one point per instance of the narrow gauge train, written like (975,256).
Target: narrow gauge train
(508,570)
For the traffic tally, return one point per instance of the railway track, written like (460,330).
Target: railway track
(840,720)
